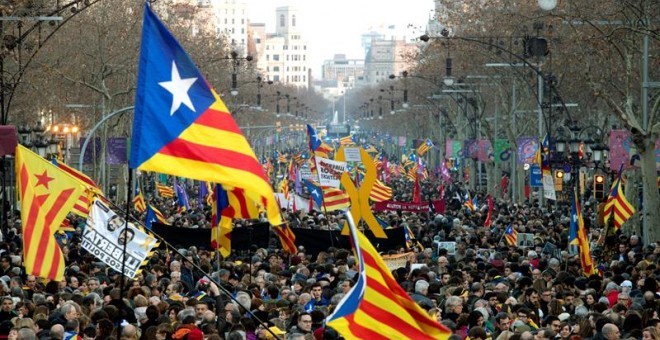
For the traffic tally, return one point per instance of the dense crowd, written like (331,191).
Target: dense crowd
(485,289)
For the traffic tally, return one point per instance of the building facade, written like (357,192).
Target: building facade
(282,56)
(347,72)
(231,21)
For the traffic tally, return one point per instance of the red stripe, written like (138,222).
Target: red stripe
(184,149)
(76,174)
(624,205)
(24,181)
(388,318)
(393,287)
(218,120)
(46,237)
(240,196)
(30,224)
(361,332)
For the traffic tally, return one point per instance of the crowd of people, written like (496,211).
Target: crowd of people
(484,289)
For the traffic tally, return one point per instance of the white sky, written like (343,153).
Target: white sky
(335,27)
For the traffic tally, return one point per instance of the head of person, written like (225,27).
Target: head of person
(316,291)
(305,322)
(611,332)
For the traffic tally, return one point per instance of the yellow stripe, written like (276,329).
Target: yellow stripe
(216,138)
(367,321)
(254,185)
(391,306)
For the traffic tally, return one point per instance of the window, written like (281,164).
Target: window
(276,78)
(267,57)
(258,40)
(233,21)
(225,21)
(304,78)
(242,30)
(287,57)
(282,21)
(242,21)
(276,57)
(267,68)
(276,69)
(293,20)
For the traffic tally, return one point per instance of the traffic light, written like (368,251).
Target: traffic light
(599,187)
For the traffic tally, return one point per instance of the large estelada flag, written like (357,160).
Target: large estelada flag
(47,194)
(377,307)
(181,126)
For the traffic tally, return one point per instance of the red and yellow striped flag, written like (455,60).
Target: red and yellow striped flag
(617,206)
(380,192)
(181,126)
(81,208)
(47,194)
(335,199)
(139,204)
(164,191)
(229,205)
(377,307)
(287,238)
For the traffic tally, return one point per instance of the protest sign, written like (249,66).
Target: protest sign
(329,171)
(105,235)
(450,246)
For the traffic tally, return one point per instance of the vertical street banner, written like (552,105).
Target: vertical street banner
(527,147)
(329,171)
(470,148)
(502,151)
(105,236)
(620,144)
(549,186)
(485,150)
(535,176)
(117,150)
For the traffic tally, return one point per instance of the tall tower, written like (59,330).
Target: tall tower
(286,20)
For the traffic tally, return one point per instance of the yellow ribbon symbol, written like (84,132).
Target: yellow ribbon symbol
(360,208)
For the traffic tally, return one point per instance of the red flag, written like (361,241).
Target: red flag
(489,217)
(417,195)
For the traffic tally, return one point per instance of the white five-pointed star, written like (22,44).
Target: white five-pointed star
(179,89)
(315,192)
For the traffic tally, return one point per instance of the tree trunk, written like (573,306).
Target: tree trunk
(651,199)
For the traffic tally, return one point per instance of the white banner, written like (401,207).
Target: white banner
(549,186)
(104,237)
(329,171)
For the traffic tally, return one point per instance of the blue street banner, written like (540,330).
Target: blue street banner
(535,176)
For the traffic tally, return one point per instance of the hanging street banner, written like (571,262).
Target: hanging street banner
(105,235)
(502,151)
(535,176)
(527,147)
(329,171)
(470,148)
(485,150)
(549,186)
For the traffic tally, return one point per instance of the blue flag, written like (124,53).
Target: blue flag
(150,218)
(315,192)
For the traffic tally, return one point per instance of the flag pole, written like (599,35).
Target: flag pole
(208,276)
(123,260)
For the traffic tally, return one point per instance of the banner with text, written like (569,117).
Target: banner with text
(438,206)
(105,235)
(329,171)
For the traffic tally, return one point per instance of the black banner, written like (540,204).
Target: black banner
(259,234)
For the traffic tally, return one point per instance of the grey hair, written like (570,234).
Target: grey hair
(184,313)
(421,285)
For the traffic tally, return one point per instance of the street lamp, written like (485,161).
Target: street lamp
(236,62)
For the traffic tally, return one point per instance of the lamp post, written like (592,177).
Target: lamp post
(236,62)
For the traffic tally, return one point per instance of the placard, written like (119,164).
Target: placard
(105,235)
(525,240)
(397,261)
(549,186)
(450,246)
(352,154)
(329,171)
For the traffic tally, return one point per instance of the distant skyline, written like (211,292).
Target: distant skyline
(337,27)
